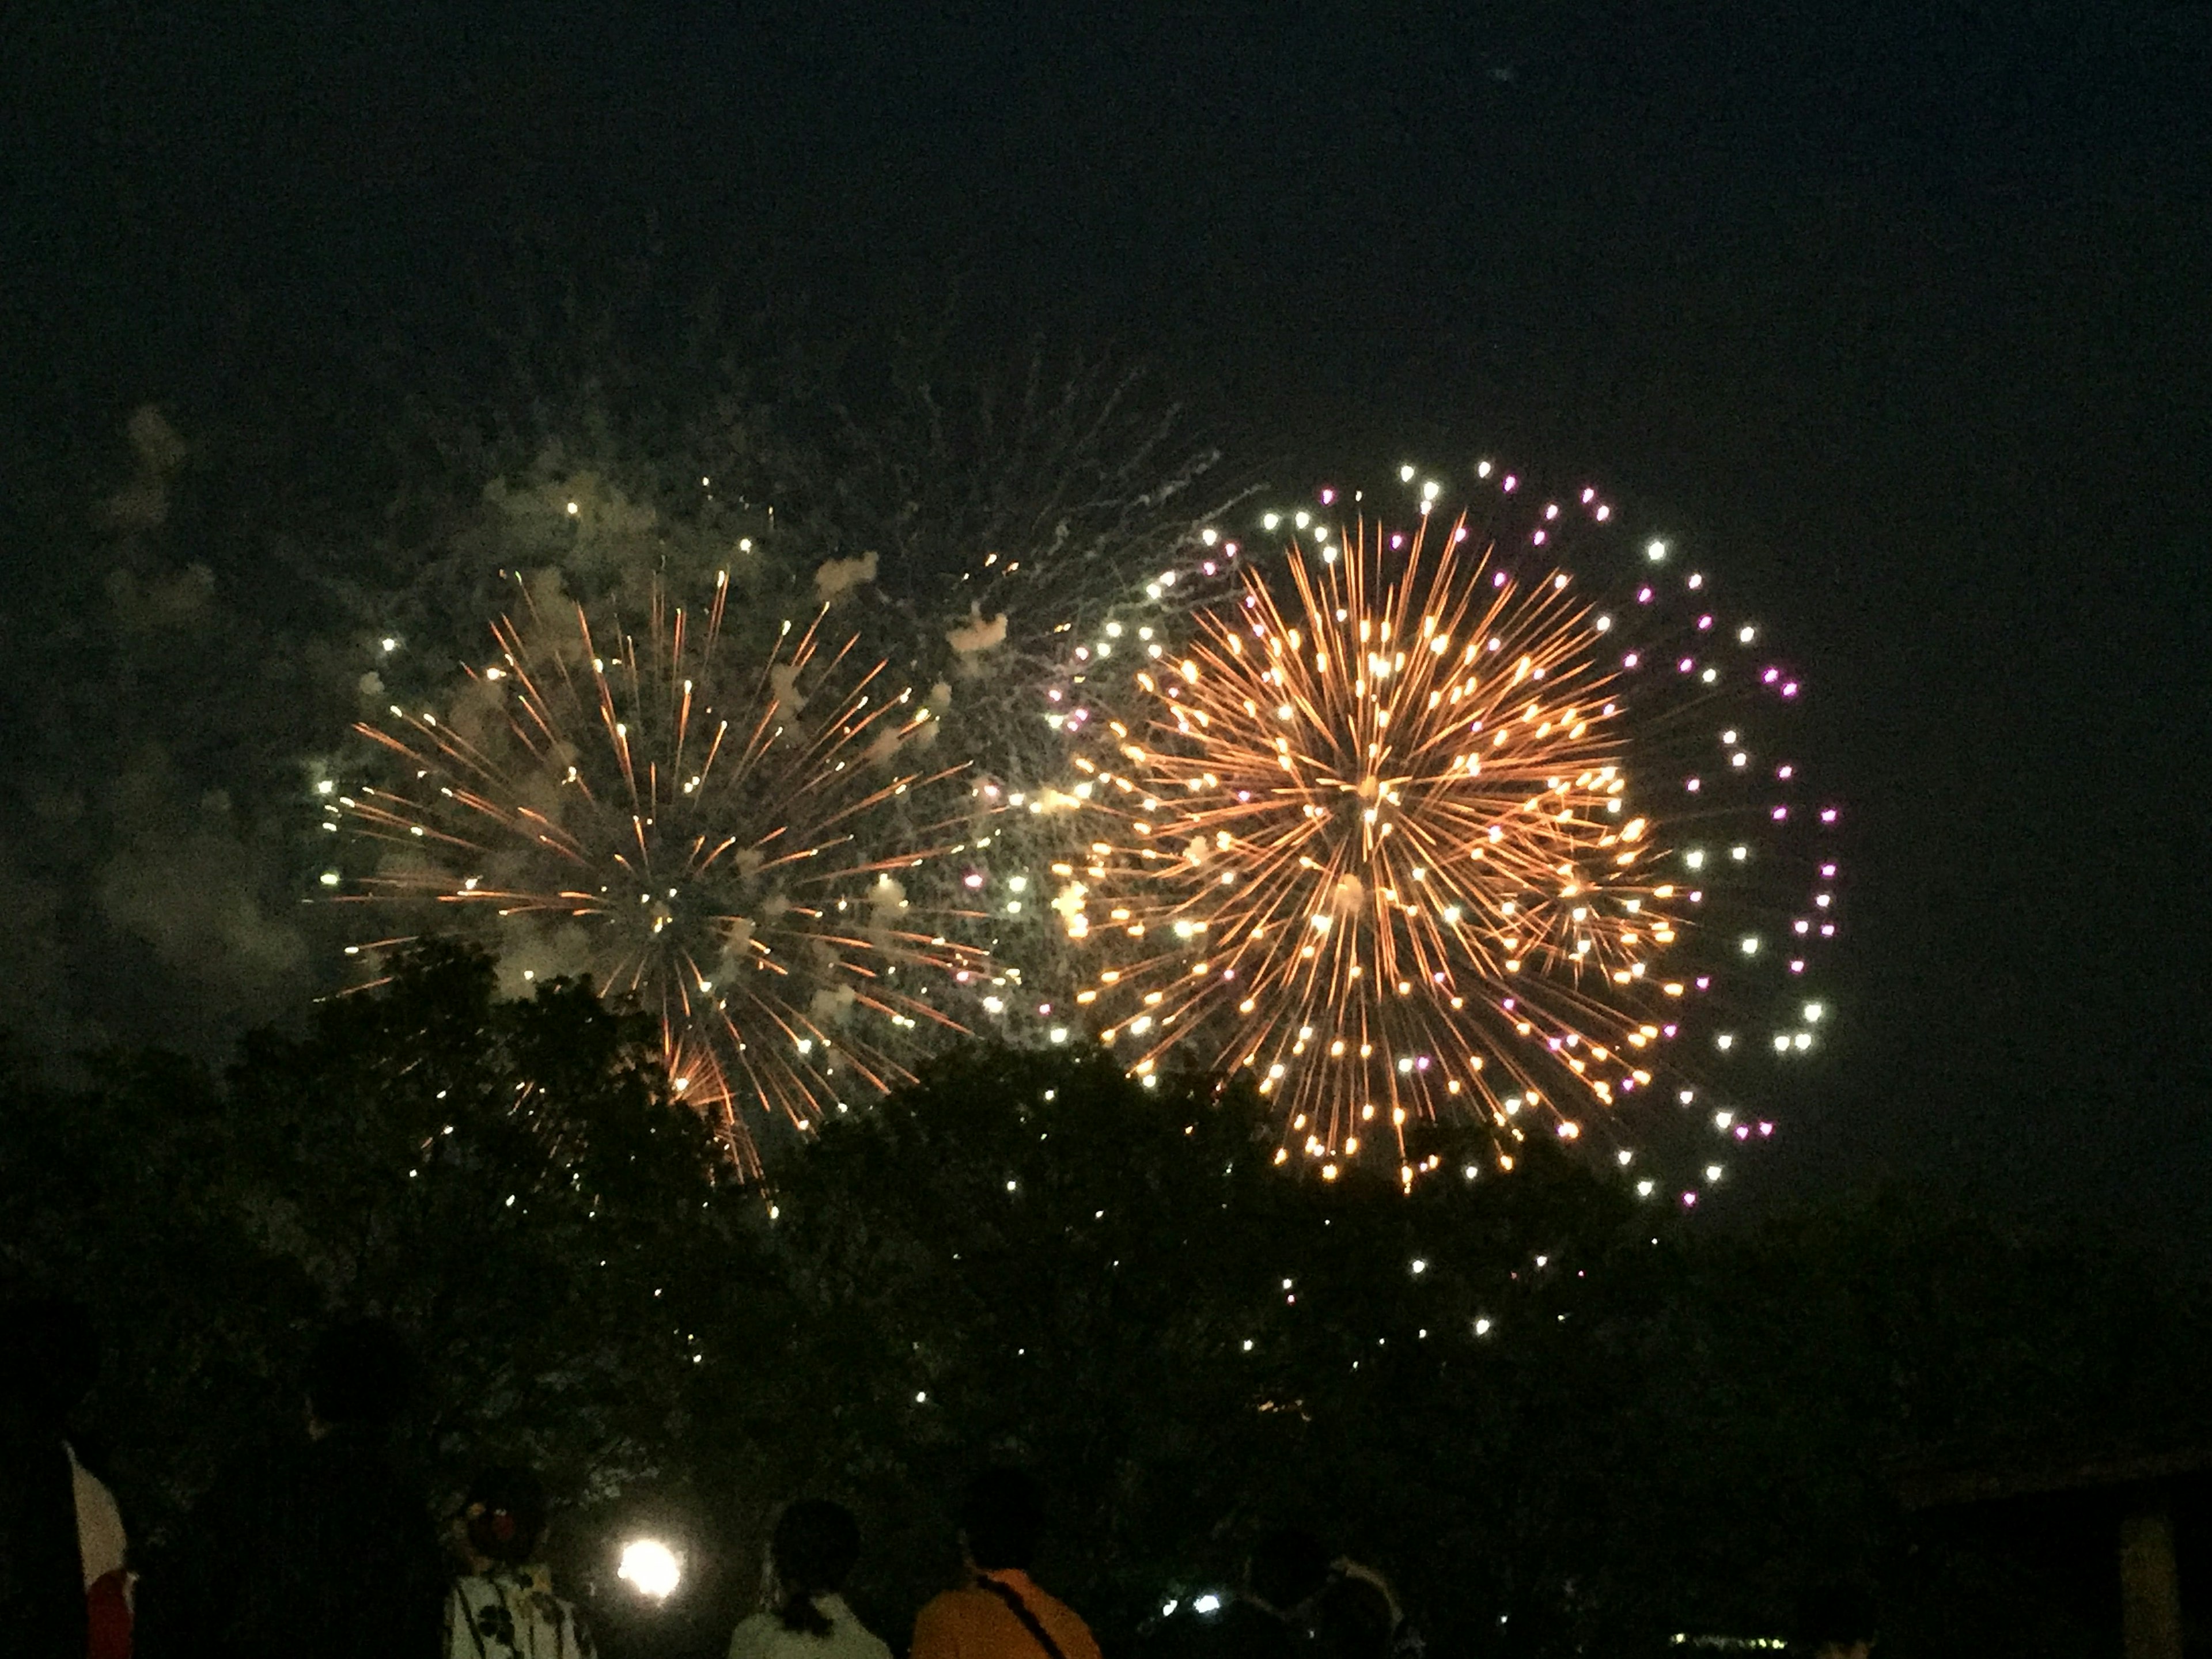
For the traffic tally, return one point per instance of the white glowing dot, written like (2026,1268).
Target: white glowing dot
(1656,551)
(571,509)
(648,1566)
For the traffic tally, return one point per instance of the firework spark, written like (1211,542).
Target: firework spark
(1396,828)
(725,838)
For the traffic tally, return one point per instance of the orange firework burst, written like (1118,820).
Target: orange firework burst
(1385,830)
(722,837)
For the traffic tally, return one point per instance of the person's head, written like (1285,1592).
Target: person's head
(1287,1566)
(504,1514)
(359,1375)
(49,1356)
(1352,1619)
(1835,1621)
(814,1545)
(1001,1520)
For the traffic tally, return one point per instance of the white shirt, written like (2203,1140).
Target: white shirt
(511,1612)
(763,1637)
(100,1541)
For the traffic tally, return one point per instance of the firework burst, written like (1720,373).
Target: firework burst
(1415,828)
(726,838)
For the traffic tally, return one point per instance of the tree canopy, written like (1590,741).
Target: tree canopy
(1561,1419)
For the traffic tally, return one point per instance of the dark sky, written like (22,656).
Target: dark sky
(1903,311)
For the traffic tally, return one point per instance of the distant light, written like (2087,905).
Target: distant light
(1656,551)
(329,878)
(1419,1266)
(571,509)
(648,1566)
(1208,1602)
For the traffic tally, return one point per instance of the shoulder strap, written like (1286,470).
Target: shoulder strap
(1020,1609)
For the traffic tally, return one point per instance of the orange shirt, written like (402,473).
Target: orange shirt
(975,1624)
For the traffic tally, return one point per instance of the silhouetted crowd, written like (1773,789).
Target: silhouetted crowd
(319,1543)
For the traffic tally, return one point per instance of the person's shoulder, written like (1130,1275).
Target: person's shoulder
(1067,1626)
(856,1640)
(953,1603)
(755,1637)
(849,1635)
(936,1626)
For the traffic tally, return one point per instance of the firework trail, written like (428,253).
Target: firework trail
(726,838)
(1415,827)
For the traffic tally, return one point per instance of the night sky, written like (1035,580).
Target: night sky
(1900,313)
